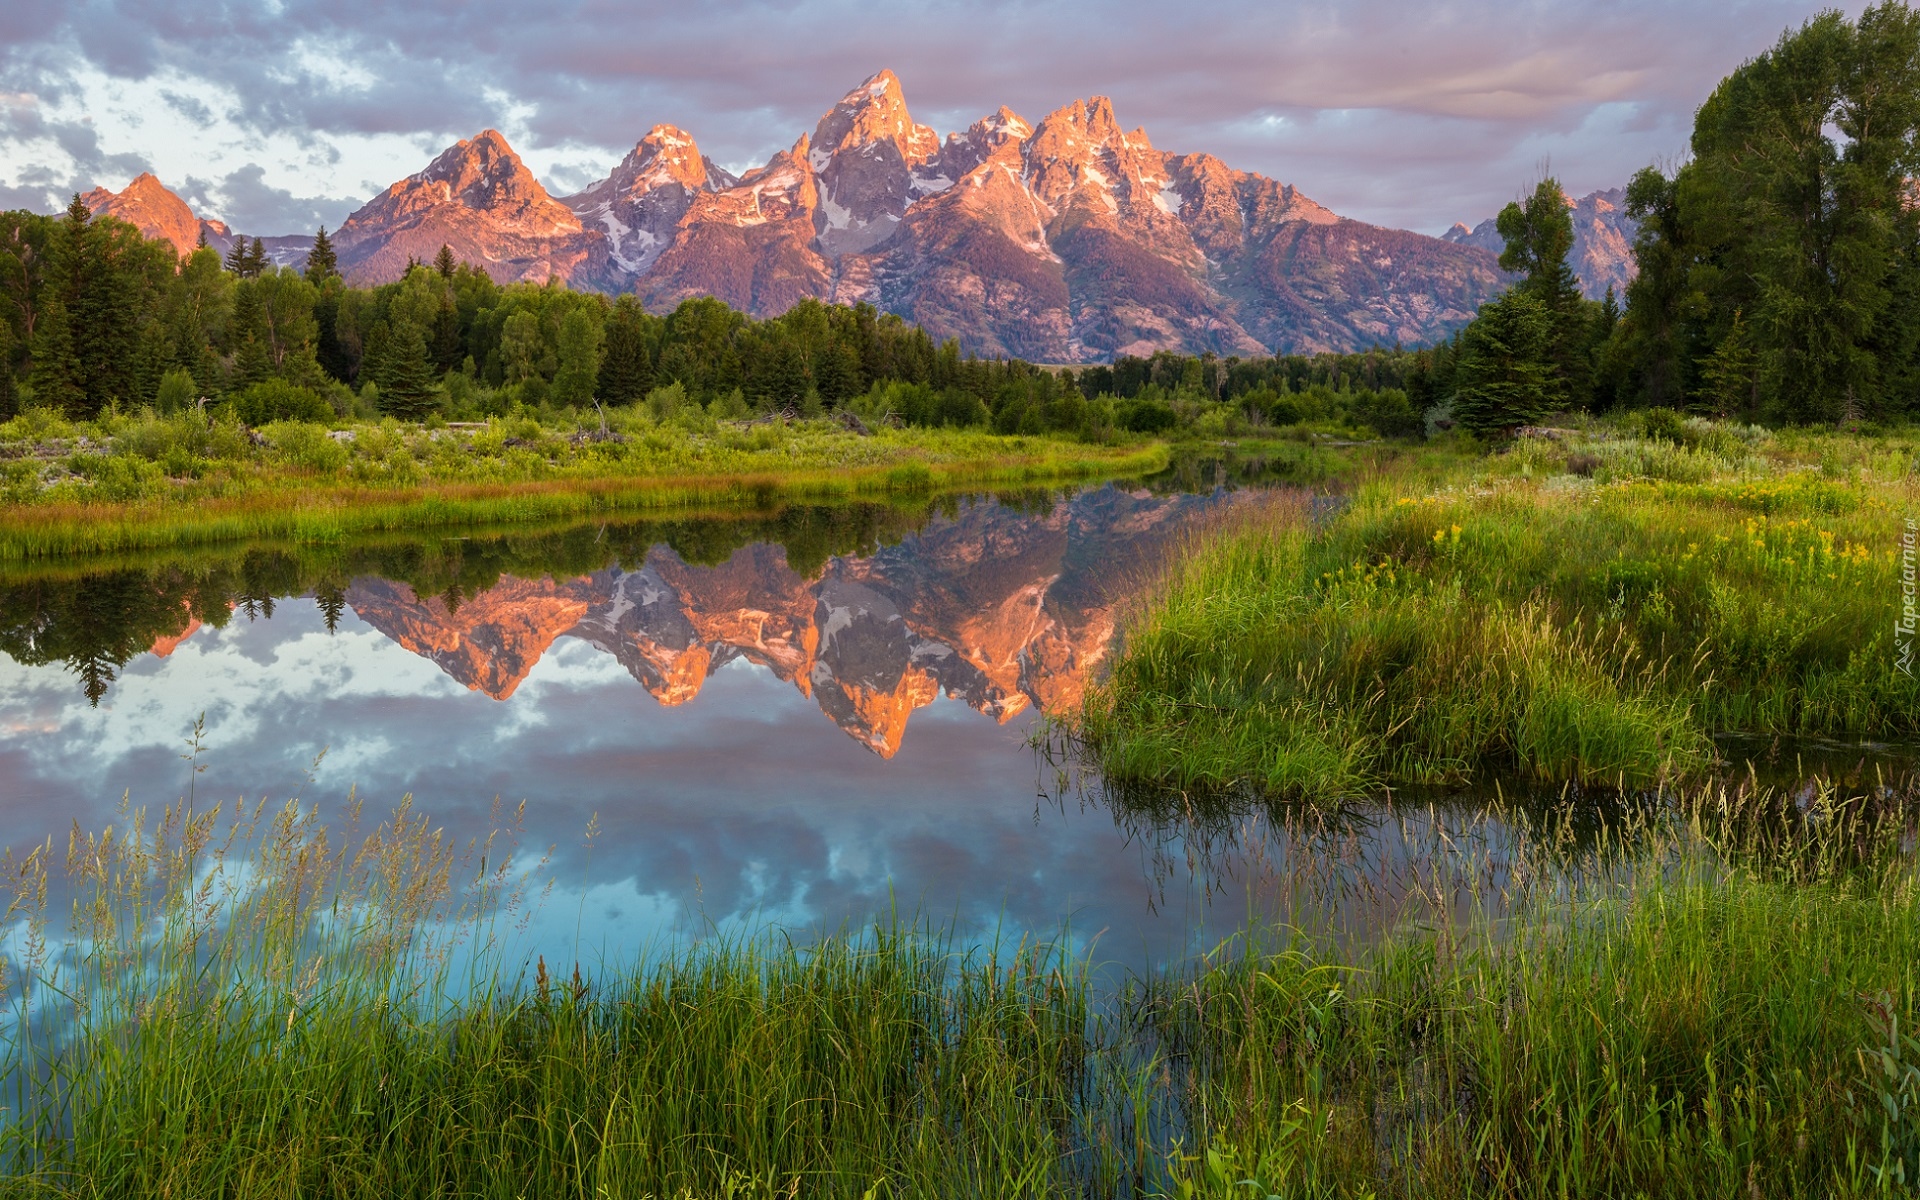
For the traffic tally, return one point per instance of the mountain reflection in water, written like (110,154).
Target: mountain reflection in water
(999,608)
(459,670)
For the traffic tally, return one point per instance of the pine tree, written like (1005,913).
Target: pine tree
(407,388)
(327,350)
(237,258)
(322,263)
(256,258)
(443,342)
(1731,374)
(373,355)
(443,261)
(331,599)
(626,372)
(247,340)
(1505,375)
(56,376)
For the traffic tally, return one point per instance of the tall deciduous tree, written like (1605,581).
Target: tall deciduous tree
(579,353)
(1794,227)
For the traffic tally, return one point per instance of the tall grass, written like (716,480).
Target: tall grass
(1725,1009)
(1714,998)
(1567,629)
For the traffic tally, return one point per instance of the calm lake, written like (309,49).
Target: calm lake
(806,719)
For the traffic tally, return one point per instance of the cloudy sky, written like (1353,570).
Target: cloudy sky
(283,114)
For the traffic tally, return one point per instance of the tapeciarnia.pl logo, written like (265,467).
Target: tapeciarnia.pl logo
(1903,629)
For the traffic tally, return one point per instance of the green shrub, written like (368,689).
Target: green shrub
(278,400)
(1145,416)
(665,403)
(177,391)
(306,446)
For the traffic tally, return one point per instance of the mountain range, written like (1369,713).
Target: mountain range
(1067,240)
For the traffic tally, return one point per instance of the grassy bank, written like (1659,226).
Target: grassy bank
(253,1006)
(151,482)
(1592,606)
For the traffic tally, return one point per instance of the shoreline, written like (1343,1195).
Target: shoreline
(318,513)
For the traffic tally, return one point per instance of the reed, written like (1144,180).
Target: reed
(1714,996)
(1714,1000)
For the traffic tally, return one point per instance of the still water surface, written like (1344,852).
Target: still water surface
(806,719)
(803,719)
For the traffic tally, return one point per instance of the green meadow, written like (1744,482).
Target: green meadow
(1594,604)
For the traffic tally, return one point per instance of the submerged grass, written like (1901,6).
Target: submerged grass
(1716,998)
(1509,613)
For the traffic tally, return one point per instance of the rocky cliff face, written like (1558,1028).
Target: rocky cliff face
(1603,233)
(1000,610)
(638,207)
(156,212)
(1070,240)
(478,198)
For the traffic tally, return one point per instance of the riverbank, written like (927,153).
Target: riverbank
(153,482)
(1715,997)
(1592,604)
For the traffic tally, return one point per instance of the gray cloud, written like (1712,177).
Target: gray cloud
(250,204)
(1406,113)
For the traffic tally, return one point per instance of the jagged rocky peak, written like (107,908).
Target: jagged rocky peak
(1080,154)
(994,137)
(872,161)
(875,112)
(641,203)
(147,204)
(480,200)
(484,173)
(779,191)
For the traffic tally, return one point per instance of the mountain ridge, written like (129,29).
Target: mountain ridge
(1070,239)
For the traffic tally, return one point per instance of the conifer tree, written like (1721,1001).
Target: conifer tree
(322,263)
(443,341)
(256,258)
(1504,376)
(56,376)
(443,261)
(373,354)
(626,371)
(407,388)
(331,599)
(247,340)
